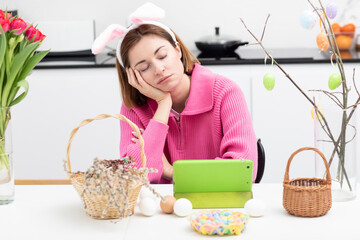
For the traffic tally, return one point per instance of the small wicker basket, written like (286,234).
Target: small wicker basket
(307,197)
(95,206)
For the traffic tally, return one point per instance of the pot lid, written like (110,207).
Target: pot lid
(217,38)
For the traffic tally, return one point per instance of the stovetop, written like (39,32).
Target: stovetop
(241,56)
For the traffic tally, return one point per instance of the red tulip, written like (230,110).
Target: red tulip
(19,25)
(4,21)
(29,33)
(39,36)
(33,33)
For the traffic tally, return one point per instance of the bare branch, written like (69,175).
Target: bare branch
(262,35)
(355,105)
(331,96)
(355,132)
(355,83)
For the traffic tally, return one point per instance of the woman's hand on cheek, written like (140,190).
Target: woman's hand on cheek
(135,79)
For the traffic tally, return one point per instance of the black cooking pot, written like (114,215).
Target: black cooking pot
(218,43)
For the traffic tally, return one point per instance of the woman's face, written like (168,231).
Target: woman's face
(158,62)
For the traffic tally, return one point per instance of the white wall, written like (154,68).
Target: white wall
(195,19)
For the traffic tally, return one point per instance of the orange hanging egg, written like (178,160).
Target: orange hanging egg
(322,41)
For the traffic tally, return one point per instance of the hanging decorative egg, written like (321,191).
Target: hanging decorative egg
(322,41)
(317,115)
(307,19)
(334,80)
(331,10)
(269,81)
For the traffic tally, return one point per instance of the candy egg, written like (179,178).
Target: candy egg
(255,207)
(322,41)
(334,80)
(331,10)
(269,81)
(168,206)
(182,207)
(147,206)
(307,19)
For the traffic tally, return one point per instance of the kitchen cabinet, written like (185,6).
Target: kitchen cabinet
(59,99)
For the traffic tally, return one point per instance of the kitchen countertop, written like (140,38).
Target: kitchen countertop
(242,56)
(55,212)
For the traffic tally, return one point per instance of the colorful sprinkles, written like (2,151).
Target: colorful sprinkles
(218,222)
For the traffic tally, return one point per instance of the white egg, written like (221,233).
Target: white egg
(182,207)
(255,207)
(145,192)
(148,206)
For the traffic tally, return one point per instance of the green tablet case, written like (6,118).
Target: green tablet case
(224,183)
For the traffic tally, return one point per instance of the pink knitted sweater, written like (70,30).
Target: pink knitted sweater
(215,124)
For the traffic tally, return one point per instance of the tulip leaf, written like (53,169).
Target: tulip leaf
(2,46)
(31,63)
(25,85)
(18,62)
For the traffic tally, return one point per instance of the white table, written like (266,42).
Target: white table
(55,212)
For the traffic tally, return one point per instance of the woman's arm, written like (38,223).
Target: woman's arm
(239,140)
(155,132)
(154,140)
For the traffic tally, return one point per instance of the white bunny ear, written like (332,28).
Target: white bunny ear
(147,12)
(110,33)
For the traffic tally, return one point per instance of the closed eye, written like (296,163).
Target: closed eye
(143,67)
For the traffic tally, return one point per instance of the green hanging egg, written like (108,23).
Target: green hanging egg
(269,81)
(334,80)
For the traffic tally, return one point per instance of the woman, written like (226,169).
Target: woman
(186,111)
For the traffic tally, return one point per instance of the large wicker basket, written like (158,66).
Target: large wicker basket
(95,206)
(307,197)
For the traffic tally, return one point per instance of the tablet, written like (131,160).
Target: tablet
(213,183)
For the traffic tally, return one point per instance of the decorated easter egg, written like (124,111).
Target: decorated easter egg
(269,81)
(168,205)
(331,10)
(334,80)
(147,206)
(322,41)
(317,115)
(182,207)
(255,207)
(307,19)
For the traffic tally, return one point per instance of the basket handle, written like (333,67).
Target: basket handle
(103,116)
(328,177)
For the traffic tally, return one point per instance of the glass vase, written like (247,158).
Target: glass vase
(6,159)
(340,151)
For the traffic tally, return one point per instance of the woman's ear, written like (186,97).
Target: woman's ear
(178,49)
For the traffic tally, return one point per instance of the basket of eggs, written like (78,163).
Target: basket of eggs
(344,35)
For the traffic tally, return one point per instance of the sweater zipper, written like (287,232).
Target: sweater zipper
(177,118)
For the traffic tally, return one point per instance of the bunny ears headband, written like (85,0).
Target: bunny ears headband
(145,14)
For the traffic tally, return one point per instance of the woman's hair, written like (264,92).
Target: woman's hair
(131,96)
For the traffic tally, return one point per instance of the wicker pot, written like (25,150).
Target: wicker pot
(307,197)
(95,206)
